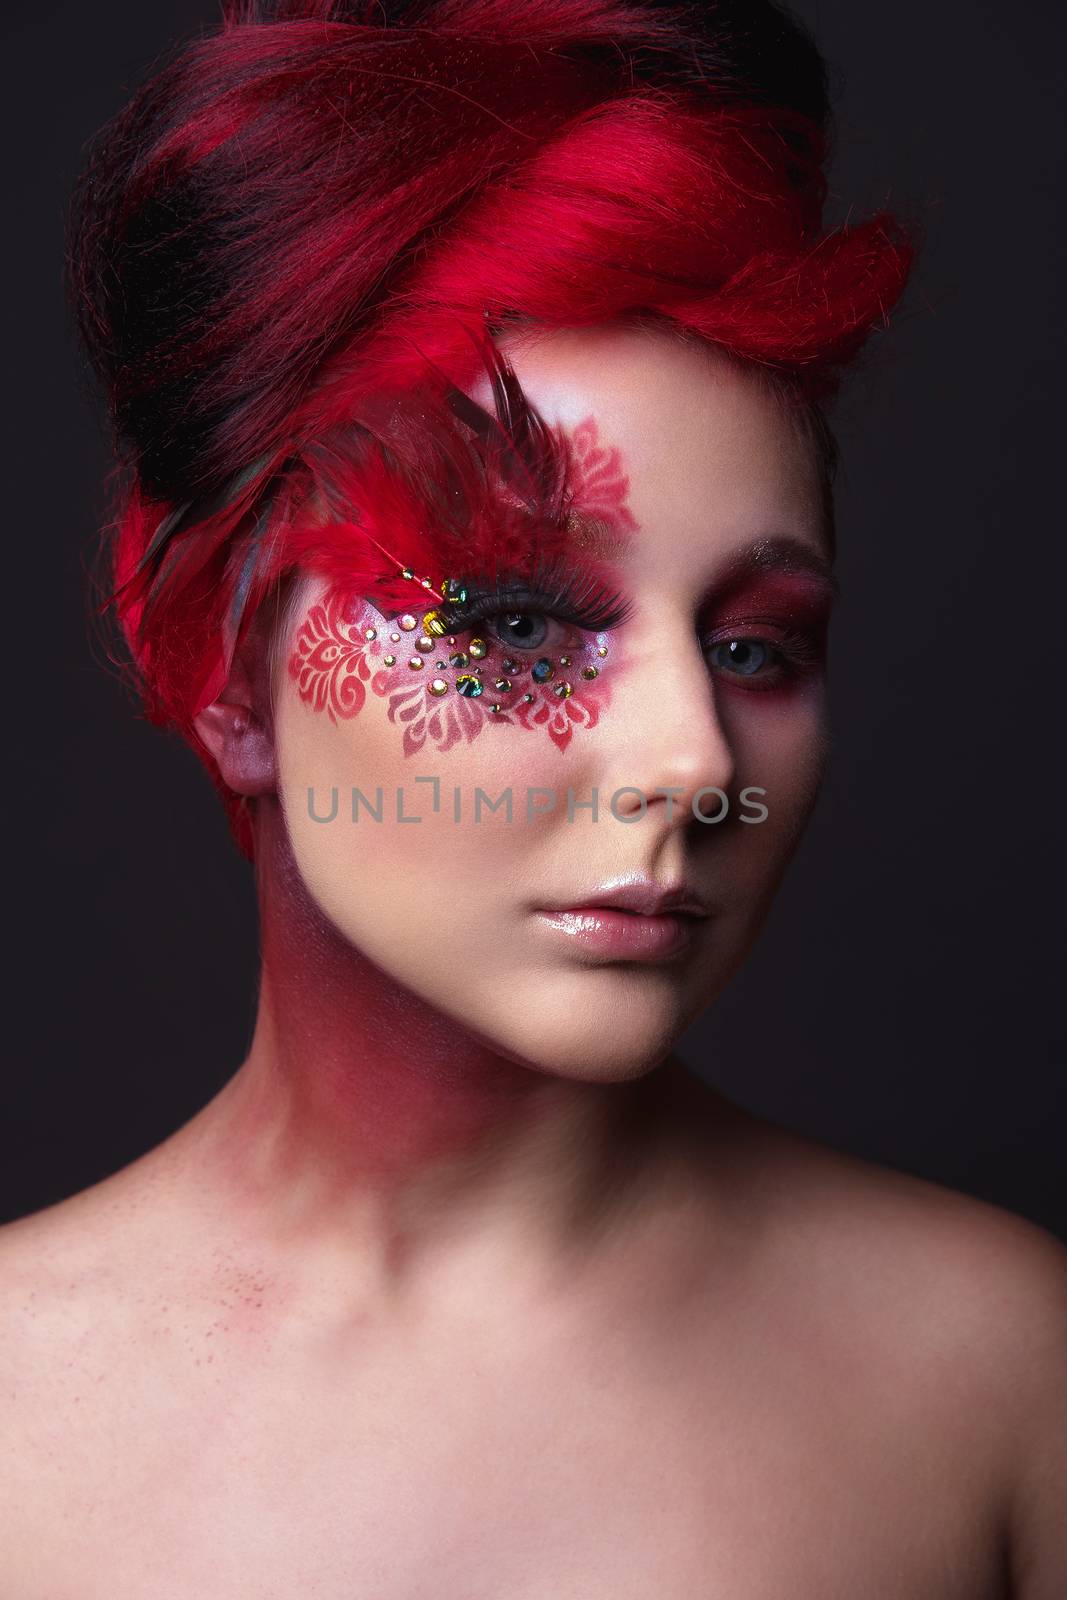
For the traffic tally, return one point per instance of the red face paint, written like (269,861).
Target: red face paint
(444,688)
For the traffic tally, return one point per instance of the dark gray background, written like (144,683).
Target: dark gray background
(904,1001)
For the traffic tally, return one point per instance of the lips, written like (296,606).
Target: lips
(640,895)
(635,920)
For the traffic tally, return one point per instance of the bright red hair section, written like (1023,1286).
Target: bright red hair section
(321,201)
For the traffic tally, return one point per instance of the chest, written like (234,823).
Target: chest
(460,1478)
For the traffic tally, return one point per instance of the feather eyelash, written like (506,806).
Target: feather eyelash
(420,485)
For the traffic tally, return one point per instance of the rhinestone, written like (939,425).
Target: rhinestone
(495,707)
(370,633)
(440,663)
(508,665)
(432,624)
(459,658)
(468,685)
(415,663)
(563,690)
(438,686)
(588,672)
(478,648)
(407,622)
(503,684)
(601,649)
(426,584)
(564,661)
(390,661)
(395,637)
(542,670)
(425,644)
(527,697)
(406,572)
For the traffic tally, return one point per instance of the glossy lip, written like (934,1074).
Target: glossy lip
(639,894)
(635,920)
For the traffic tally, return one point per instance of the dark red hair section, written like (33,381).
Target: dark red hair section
(309,204)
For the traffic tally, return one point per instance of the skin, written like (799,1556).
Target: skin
(462,1274)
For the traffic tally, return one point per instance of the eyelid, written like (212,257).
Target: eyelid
(569,594)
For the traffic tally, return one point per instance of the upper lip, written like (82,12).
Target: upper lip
(641,895)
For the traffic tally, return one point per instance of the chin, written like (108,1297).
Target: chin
(605,1026)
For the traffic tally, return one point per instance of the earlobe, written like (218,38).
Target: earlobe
(242,747)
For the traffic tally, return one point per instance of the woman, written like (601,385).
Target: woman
(468,366)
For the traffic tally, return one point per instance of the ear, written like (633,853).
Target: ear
(237,728)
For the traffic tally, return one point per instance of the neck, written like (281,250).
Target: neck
(367,1123)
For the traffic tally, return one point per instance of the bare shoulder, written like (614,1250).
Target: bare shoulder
(70,1278)
(968,1275)
(961,1305)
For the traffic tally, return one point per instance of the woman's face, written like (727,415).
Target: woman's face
(698,724)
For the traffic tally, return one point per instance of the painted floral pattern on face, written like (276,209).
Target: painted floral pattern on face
(444,690)
(344,646)
(602,484)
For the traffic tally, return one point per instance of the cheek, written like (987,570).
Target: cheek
(780,745)
(355,714)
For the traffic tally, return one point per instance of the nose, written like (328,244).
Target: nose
(671,754)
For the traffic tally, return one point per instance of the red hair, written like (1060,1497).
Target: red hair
(316,204)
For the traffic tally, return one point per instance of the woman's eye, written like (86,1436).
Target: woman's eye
(745,657)
(522,630)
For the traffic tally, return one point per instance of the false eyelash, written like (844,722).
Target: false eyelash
(563,592)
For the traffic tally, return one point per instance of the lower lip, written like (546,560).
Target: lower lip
(623,935)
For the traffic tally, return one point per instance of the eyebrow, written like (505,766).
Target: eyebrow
(781,554)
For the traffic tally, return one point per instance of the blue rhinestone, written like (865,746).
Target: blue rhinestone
(542,670)
(468,685)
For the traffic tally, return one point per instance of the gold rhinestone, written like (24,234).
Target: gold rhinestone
(370,633)
(395,638)
(432,624)
(416,663)
(438,686)
(425,644)
(503,684)
(494,707)
(407,622)
(589,672)
(601,649)
(390,661)
(563,690)
(426,584)
(406,572)
(478,648)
